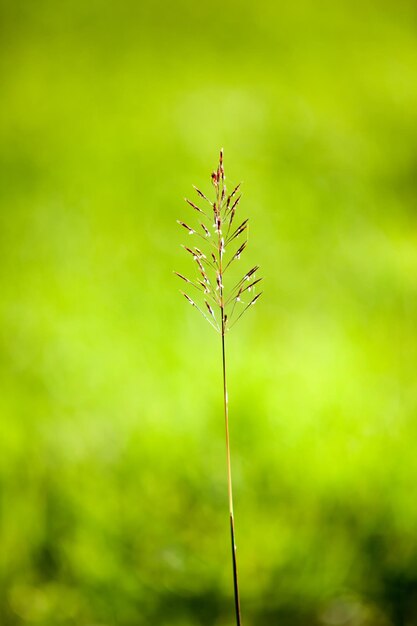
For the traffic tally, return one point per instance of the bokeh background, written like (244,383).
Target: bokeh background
(113,506)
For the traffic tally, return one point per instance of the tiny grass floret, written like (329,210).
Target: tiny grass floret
(221,305)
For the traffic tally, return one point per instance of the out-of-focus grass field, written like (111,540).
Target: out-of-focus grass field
(113,508)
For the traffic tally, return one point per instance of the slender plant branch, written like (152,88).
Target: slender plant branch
(210,282)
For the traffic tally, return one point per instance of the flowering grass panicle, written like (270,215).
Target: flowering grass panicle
(221,241)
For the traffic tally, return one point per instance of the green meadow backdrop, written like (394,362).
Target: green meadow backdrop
(113,501)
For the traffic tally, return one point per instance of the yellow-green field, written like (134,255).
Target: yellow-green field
(113,500)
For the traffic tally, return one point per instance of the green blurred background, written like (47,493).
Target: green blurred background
(113,508)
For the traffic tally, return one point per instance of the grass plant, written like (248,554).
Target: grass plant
(221,302)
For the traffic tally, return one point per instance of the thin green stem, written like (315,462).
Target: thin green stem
(226,419)
(229,481)
(210,286)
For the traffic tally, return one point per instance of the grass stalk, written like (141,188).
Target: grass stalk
(211,285)
(229,483)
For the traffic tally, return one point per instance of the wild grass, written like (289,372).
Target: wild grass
(221,302)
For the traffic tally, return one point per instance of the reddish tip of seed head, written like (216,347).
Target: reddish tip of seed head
(255,299)
(210,310)
(188,298)
(181,276)
(207,232)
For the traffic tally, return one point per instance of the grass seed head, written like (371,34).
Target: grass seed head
(227,298)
